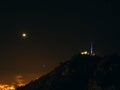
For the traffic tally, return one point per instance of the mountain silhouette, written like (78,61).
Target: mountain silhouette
(81,72)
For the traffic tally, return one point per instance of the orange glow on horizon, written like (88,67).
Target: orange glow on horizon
(7,87)
(10,87)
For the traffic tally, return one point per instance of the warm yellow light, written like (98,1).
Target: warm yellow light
(20,84)
(84,53)
(12,88)
(93,54)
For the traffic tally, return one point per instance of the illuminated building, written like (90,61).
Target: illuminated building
(84,53)
(87,53)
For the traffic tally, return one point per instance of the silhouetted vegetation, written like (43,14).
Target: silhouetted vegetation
(82,72)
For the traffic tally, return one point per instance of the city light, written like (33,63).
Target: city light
(7,87)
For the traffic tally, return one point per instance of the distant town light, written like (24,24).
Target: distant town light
(6,87)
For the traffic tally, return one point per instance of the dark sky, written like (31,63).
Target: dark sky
(56,31)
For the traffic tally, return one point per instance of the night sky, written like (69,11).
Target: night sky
(56,31)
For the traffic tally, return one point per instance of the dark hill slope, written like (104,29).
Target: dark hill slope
(81,73)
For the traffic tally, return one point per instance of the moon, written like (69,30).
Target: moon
(24,35)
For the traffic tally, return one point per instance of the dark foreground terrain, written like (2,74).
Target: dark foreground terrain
(82,72)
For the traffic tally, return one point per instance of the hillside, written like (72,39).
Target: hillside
(82,72)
